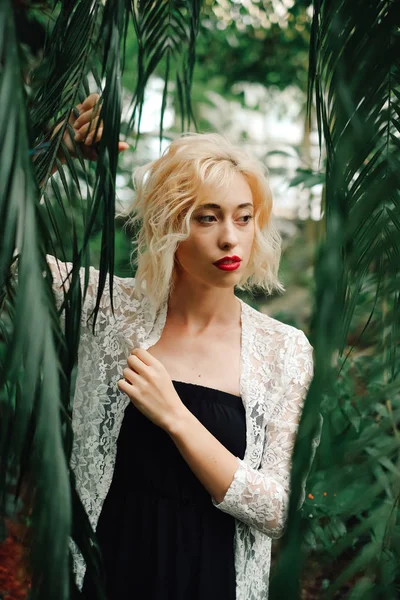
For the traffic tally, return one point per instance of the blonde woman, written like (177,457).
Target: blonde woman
(187,399)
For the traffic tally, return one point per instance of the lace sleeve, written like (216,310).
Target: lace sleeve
(260,497)
(62,277)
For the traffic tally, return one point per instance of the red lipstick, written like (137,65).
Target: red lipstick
(228,263)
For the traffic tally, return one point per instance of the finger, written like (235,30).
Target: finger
(125,387)
(74,114)
(89,139)
(129,375)
(90,102)
(122,146)
(83,131)
(87,116)
(144,356)
(91,151)
(136,364)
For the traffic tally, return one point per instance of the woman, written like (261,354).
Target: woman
(187,399)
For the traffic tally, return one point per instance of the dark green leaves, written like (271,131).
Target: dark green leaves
(31,444)
(82,53)
(354,70)
(166,33)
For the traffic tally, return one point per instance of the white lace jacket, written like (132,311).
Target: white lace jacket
(276,369)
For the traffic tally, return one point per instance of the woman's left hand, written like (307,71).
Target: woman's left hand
(85,126)
(151,390)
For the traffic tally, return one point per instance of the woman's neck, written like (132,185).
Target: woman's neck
(198,308)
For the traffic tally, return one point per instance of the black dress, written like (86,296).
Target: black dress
(160,535)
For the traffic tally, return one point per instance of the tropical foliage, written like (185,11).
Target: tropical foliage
(52,54)
(353,507)
(82,41)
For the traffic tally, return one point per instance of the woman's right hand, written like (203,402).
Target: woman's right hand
(84,127)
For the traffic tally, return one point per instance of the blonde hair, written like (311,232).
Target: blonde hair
(167,192)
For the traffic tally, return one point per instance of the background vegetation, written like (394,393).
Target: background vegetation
(227,68)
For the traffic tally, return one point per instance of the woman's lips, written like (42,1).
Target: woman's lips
(229,266)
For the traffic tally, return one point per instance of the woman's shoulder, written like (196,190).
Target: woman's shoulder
(286,347)
(272,329)
(125,285)
(124,293)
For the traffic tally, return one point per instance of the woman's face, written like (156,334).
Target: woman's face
(221,226)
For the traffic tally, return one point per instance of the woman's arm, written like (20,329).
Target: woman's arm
(84,120)
(258,497)
(213,465)
(61,273)
(149,386)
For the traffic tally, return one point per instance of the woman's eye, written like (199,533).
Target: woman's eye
(203,218)
(247,217)
(211,218)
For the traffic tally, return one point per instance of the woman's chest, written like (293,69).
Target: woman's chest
(212,360)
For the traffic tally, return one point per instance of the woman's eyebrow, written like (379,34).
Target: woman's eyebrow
(212,205)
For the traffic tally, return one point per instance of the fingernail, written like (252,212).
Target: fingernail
(78,137)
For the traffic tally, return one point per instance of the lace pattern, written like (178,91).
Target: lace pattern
(276,369)
(281,372)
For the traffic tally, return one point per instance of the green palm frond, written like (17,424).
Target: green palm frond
(354,69)
(38,358)
(166,33)
(31,446)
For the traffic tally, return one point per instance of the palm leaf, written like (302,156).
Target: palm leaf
(166,32)
(354,70)
(38,357)
(30,394)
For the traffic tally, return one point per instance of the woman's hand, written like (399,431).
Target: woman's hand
(151,390)
(85,128)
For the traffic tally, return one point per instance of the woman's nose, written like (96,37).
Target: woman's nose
(228,236)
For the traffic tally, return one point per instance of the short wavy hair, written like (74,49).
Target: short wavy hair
(167,193)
